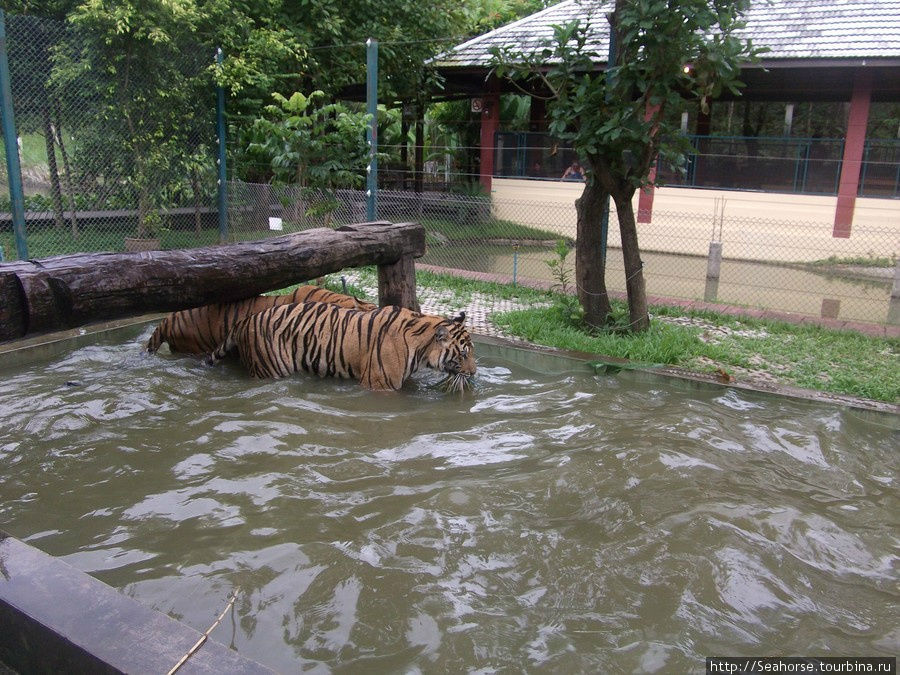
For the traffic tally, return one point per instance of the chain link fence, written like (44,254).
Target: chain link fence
(117,147)
(480,250)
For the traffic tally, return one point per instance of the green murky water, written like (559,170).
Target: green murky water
(553,520)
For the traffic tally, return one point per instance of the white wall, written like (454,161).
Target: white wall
(756,225)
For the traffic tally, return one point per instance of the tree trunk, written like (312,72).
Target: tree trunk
(639,319)
(67,169)
(420,147)
(59,219)
(70,291)
(590,268)
(195,188)
(404,146)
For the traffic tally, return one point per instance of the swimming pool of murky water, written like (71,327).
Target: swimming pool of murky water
(551,520)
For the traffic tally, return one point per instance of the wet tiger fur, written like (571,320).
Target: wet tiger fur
(380,348)
(202,329)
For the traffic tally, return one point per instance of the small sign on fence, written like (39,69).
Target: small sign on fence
(275,224)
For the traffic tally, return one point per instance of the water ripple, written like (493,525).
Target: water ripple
(550,520)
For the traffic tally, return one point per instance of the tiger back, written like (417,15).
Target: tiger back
(201,329)
(379,348)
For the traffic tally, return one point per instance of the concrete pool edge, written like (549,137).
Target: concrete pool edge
(57,618)
(702,379)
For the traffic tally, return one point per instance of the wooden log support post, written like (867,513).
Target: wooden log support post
(397,284)
(75,290)
(12,307)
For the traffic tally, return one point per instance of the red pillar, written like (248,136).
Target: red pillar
(854,144)
(490,124)
(645,200)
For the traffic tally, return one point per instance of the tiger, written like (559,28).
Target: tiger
(380,348)
(202,329)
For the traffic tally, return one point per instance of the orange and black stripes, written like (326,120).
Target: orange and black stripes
(380,348)
(202,329)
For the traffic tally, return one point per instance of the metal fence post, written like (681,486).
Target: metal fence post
(10,140)
(220,140)
(372,130)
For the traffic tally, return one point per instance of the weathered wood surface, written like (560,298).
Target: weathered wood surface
(74,290)
(12,307)
(397,284)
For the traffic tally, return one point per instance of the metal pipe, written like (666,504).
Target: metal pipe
(372,129)
(220,140)
(11,141)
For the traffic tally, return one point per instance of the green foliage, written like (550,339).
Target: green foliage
(616,119)
(562,274)
(490,14)
(136,67)
(806,356)
(559,270)
(311,143)
(552,326)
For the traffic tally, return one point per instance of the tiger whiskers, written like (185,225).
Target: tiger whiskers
(455,383)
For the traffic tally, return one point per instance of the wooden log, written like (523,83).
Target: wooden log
(69,291)
(13,319)
(397,284)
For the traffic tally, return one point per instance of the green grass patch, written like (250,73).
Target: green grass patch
(469,228)
(855,261)
(807,356)
(813,357)
(464,289)
(662,344)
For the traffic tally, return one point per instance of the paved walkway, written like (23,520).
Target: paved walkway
(875,330)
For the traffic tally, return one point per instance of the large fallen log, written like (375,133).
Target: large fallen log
(69,291)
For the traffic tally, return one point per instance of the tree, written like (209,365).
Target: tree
(616,119)
(133,75)
(312,145)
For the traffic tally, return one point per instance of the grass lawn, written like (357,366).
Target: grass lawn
(808,356)
(489,229)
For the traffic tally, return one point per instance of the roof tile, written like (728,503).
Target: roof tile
(790,29)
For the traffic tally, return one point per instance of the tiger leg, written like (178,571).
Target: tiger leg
(222,350)
(158,337)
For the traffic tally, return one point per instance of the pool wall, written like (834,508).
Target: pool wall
(58,619)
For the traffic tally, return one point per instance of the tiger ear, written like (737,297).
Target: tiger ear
(441,333)
(461,319)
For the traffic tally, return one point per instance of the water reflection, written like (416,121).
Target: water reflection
(551,520)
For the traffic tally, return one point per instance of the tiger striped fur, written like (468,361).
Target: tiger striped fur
(202,329)
(380,348)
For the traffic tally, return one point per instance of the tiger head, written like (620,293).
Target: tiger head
(452,350)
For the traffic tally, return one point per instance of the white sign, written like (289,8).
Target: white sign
(275,224)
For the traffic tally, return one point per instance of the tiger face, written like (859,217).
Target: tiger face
(452,351)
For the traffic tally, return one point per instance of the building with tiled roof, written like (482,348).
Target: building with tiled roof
(806,35)
(839,50)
